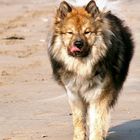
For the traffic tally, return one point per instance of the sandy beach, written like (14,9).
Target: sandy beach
(32,105)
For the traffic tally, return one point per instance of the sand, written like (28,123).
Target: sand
(32,105)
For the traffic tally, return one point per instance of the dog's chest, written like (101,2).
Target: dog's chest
(85,83)
(88,89)
(78,84)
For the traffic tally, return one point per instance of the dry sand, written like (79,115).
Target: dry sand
(32,105)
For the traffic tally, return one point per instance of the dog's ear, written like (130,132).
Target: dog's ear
(64,9)
(92,8)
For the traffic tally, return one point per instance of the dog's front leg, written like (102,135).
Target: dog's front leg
(98,115)
(79,115)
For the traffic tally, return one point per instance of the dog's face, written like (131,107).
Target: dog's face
(78,27)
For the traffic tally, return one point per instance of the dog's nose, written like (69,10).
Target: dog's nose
(79,43)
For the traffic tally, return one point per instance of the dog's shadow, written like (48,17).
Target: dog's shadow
(126,131)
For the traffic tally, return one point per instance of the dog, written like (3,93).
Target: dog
(90,53)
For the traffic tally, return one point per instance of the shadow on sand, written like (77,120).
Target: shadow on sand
(126,131)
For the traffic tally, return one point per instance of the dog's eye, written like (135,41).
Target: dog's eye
(70,33)
(87,32)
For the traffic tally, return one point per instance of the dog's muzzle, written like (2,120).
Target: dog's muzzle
(77,46)
(79,49)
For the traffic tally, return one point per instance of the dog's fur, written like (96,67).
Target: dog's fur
(93,75)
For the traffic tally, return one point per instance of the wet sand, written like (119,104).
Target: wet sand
(32,105)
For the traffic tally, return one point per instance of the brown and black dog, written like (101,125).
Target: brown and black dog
(90,54)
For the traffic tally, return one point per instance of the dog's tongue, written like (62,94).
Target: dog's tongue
(74,49)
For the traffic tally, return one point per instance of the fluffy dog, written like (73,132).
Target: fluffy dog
(90,54)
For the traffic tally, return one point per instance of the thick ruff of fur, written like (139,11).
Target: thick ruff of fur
(94,71)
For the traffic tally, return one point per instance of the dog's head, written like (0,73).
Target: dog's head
(78,27)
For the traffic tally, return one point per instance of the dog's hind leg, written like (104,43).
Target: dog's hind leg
(79,115)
